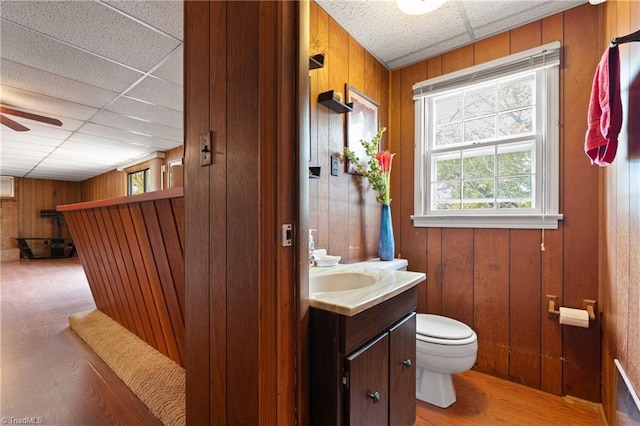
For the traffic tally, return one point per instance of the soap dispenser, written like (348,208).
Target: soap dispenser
(312,247)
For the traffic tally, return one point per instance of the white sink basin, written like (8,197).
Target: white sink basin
(347,280)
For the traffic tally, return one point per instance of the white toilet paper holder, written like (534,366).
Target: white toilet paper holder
(588,304)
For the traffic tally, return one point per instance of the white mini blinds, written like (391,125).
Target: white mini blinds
(487,144)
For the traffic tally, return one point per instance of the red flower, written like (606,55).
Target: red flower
(385,159)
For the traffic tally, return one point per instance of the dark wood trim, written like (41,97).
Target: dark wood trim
(149,196)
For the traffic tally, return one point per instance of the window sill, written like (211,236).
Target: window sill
(478,221)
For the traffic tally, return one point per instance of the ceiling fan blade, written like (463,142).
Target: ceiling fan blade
(30,116)
(12,124)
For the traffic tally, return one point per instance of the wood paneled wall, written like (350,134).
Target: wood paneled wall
(113,184)
(496,280)
(241,84)
(342,208)
(132,251)
(42,194)
(620,237)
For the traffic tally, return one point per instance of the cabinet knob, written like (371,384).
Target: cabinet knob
(407,363)
(375,397)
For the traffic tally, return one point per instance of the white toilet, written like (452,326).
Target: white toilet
(444,347)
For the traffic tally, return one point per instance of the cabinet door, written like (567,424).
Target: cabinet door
(367,395)
(402,372)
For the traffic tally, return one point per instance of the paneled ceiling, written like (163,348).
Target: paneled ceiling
(111,71)
(397,39)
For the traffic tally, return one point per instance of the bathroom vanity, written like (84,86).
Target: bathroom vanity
(363,350)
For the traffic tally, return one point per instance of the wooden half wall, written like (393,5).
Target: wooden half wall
(132,251)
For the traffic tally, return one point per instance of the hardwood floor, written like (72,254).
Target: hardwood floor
(47,371)
(487,400)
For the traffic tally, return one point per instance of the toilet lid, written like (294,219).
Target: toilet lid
(442,327)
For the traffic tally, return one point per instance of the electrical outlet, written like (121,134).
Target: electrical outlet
(334,166)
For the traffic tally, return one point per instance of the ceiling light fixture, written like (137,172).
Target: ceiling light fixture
(419,7)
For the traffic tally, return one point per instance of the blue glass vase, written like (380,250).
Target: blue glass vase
(386,245)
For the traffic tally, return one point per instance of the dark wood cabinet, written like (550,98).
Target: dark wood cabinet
(362,368)
(402,372)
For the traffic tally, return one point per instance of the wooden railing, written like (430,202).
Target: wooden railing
(132,251)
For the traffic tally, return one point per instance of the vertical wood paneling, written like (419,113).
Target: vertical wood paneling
(242,222)
(508,311)
(416,238)
(357,201)
(619,247)
(42,194)
(457,274)
(131,253)
(551,330)
(526,37)
(128,269)
(524,306)
(491,299)
(320,81)
(492,48)
(331,198)
(338,186)
(135,253)
(582,359)
(433,302)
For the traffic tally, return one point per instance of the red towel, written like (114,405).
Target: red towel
(605,110)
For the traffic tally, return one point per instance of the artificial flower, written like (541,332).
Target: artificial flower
(378,169)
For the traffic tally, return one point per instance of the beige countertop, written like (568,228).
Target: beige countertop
(351,302)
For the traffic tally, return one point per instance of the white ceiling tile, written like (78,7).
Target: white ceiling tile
(29,48)
(168,18)
(12,96)
(146,111)
(142,140)
(7,135)
(99,141)
(171,70)
(104,31)
(36,80)
(119,121)
(26,148)
(159,92)
(98,157)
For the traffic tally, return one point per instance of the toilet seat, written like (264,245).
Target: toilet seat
(441,330)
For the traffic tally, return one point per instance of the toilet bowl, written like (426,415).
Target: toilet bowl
(444,347)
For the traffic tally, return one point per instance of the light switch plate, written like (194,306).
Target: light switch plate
(334,166)
(205,148)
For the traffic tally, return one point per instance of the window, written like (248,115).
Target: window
(487,144)
(138,182)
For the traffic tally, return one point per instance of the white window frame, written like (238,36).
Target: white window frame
(545,60)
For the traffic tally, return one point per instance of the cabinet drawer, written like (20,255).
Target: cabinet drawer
(361,328)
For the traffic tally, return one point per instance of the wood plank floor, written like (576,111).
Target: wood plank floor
(47,371)
(487,400)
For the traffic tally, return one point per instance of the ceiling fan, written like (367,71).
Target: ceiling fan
(19,127)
